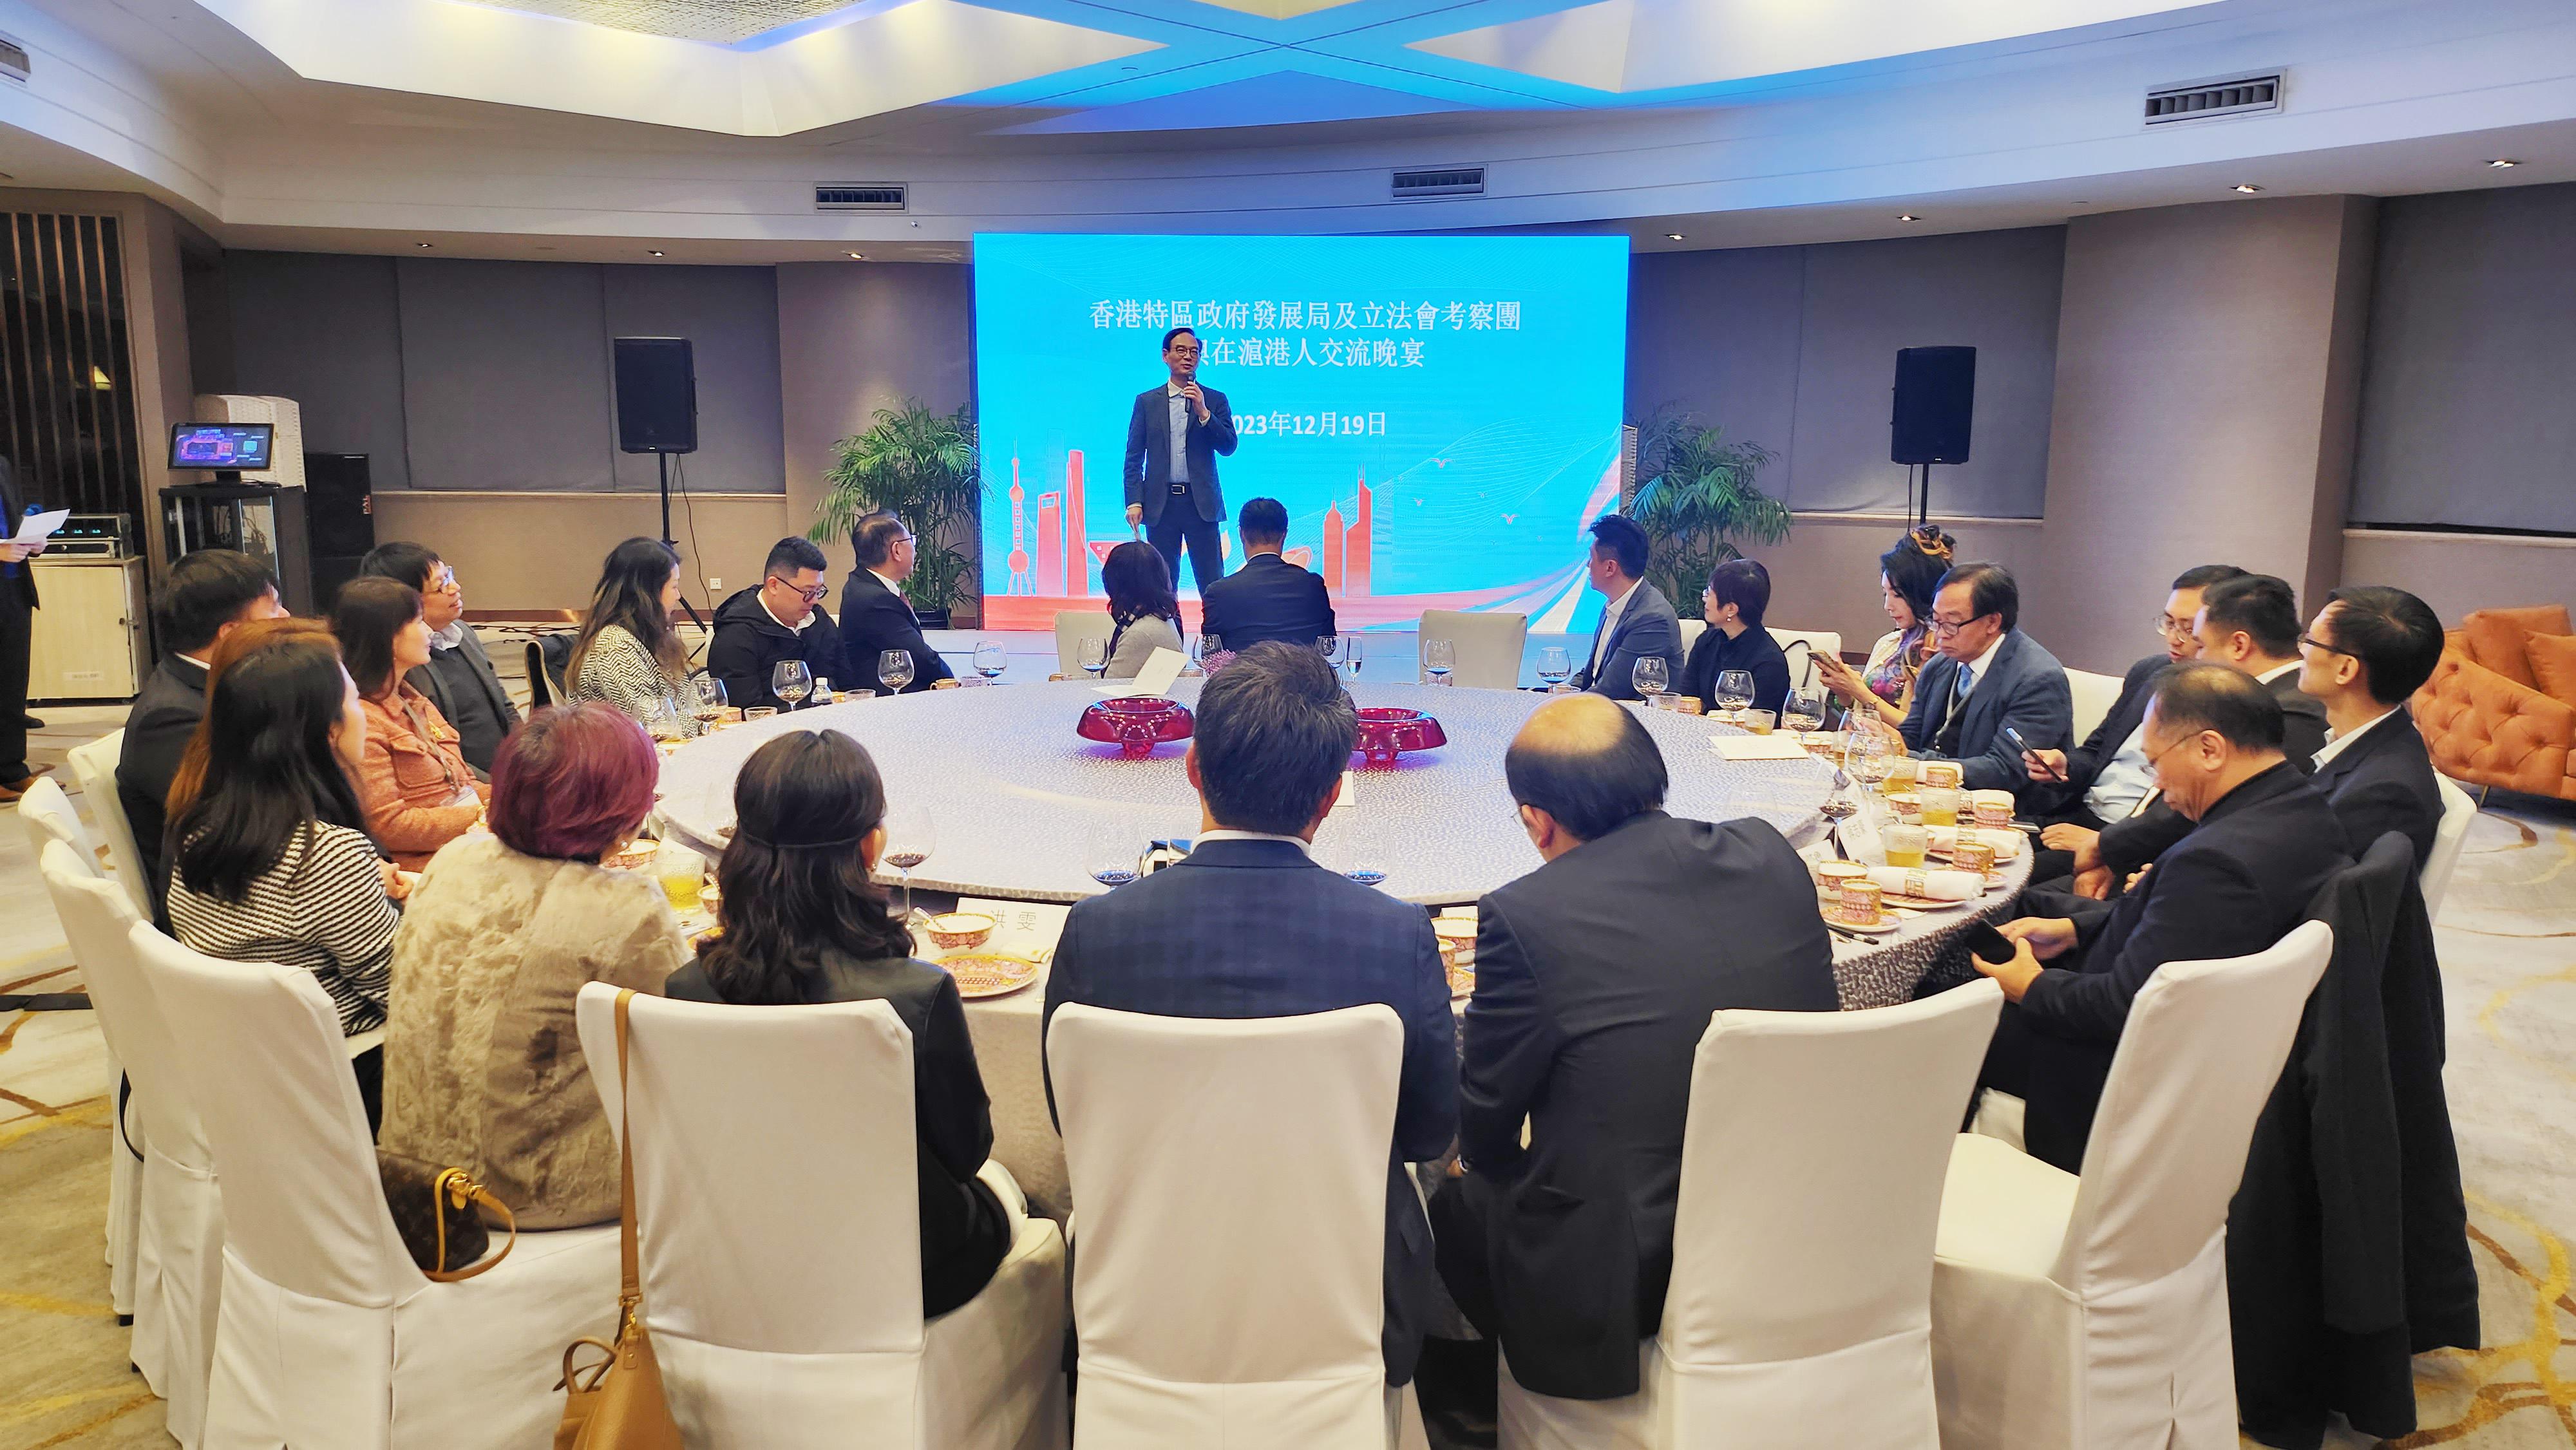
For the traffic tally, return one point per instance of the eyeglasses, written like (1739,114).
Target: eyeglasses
(2172,628)
(2316,643)
(810,596)
(1952,626)
(2156,756)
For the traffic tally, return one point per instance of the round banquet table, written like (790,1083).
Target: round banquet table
(1018,800)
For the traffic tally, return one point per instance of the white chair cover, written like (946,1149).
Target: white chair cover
(2092,1312)
(50,817)
(1692,627)
(2457,812)
(94,766)
(178,1259)
(1231,1178)
(1489,645)
(328,1335)
(1072,627)
(780,1247)
(2094,696)
(1819,642)
(1800,1308)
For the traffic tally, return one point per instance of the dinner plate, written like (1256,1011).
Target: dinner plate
(1919,903)
(989,974)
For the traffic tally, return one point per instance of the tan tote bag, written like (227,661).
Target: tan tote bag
(617,1403)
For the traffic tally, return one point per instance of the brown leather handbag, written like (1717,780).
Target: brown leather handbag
(617,1403)
(439,1213)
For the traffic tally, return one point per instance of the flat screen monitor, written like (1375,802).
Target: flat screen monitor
(237,447)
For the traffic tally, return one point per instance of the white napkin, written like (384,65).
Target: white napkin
(1758,747)
(1161,668)
(1936,884)
(2007,843)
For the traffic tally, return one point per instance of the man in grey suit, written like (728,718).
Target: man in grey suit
(1174,436)
(1638,622)
(1987,675)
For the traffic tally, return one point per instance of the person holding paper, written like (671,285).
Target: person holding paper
(17,603)
(1144,616)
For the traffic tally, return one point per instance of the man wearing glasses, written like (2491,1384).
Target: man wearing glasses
(459,678)
(779,619)
(875,617)
(1986,676)
(1175,434)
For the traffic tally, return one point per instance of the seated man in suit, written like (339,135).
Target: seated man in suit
(2369,650)
(2262,845)
(1638,622)
(1268,598)
(782,619)
(1250,926)
(2106,778)
(1595,977)
(875,617)
(208,593)
(459,678)
(1985,675)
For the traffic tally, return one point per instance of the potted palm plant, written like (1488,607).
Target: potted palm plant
(922,465)
(1699,500)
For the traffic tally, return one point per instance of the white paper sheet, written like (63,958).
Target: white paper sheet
(1161,668)
(37,528)
(1758,747)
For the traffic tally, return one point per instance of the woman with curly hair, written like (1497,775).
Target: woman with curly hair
(1908,576)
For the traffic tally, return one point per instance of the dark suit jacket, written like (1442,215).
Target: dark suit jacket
(1256,929)
(2234,886)
(13,506)
(468,691)
(2130,844)
(1268,598)
(2084,762)
(2384,782)
(1149,451)
(165,714)
(2023,686)
(1647,626)
(1595,978)
(875,619)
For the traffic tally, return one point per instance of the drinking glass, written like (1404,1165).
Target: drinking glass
(894,670)
(910,838)
(989,659)
(790,681)
(1734,690)
(1094,655)
(1804,711)
(1351,653)
(707,701)
(1111,854)
(1439,657)
(1651,677)
(682,872)
(1555,666)
(758,712)
(667,720)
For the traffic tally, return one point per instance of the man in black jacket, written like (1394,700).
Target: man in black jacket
(1268,598)
(208,594)
(2263,844)
(1595,977)
(2369,650)
(17,604)
(780,619)
(1175,434)
(459,678)
(875,617)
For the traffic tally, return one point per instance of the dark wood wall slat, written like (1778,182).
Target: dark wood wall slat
(63,330)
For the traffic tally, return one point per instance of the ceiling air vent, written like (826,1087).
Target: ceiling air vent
(1438,181)
(2200,100)
(14,61)
(858,198)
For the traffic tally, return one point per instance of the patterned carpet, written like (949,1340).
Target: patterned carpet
(2508,943)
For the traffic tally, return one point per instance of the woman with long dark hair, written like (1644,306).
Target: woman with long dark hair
(1144,614)
(627,654)
(803,924)
(270,862)
(419,792)
(1908,576)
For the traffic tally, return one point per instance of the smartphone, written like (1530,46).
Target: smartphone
(2013,737)
(1989,945)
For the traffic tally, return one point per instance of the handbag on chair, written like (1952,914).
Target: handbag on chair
(617,1403)
(439,1214)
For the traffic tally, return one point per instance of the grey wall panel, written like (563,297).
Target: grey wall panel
(505,374)
(324,330)
(1715,334)
(2472,349)
(730,317)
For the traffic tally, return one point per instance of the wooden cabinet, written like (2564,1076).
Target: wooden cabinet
(90,641)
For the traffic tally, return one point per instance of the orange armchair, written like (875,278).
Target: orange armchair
(2501,707)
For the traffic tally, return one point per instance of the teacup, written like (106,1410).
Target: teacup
(1941,773)
(960,929)
(1833,876)
(1991,807)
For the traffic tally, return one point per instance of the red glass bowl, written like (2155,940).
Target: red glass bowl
(1387,731)
(1135,724)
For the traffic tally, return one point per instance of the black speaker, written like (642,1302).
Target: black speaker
(342,511)
(657,396)
(1936,391)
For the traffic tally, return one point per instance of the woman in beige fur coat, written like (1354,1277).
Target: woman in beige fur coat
(483,1067)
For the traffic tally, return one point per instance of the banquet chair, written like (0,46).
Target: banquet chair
(1800,1307)
(2094,696)
(2448,837)
(1825,642)
(1231,1182)
(1488,645)
(1692,628)
(178,1256)
(2092,1310)
(49,816)
(94,766)
(780,1248)
(541,685)
(327,1333)
(1072,627)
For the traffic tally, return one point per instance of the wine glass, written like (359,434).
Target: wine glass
(1330,647)
(910,838)
(791,681)
(894,670)
(1804,710)
(1651,676)
(1439,657)
(667,721)
(1555,666)
(1351,655)
(1094,655)
(1111,855)
(708,706)
(989,659)
(1734,691)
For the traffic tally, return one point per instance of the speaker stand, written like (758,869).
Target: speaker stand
(663,460)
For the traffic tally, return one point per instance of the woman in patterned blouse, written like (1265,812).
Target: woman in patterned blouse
(627,654)
(1908,576)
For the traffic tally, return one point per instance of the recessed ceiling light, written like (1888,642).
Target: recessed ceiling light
(2246,187)
(855,257)
(1672,236)
(651,253)
(2502,162)
(1907,216)
(424,246)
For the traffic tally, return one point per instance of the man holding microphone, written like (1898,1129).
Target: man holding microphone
(1174,437)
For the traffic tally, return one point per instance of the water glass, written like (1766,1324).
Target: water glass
(791,681)
(989,659)
(1439,657)
(1093,652)
(1734,690)
(1112,851)
(1804,710)
(752,713)
(1652,676)
(894,670)
(1351,653)
(1555,666)
(682,872)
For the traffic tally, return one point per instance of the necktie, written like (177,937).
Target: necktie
(1946,742)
